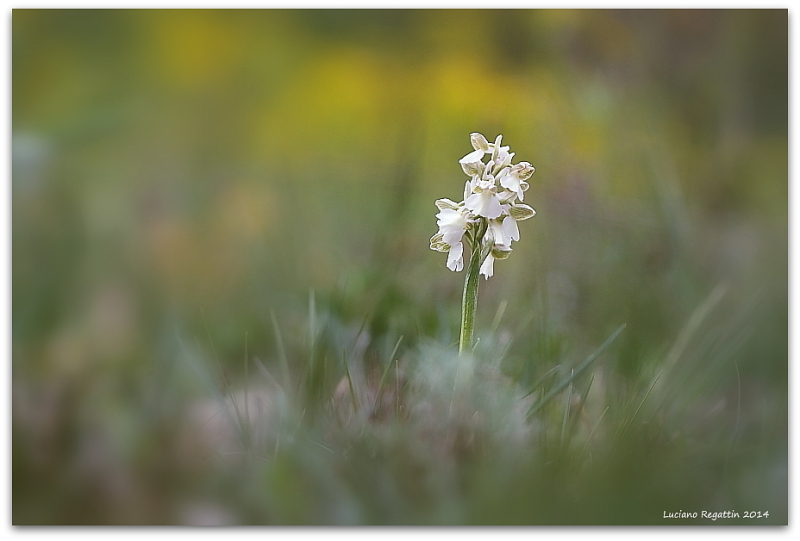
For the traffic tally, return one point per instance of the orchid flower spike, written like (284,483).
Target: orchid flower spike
(490,210)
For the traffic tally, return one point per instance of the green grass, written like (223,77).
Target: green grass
(420,435)
(338,424)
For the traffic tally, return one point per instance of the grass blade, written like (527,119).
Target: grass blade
(565,418)
(389,365)
(635,413)
(248,435)
(591,433)
(541,380)
(499,315)
(281,350)
(353,397)
(581,404)
(575,373)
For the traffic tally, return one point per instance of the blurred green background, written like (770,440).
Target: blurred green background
(178,176)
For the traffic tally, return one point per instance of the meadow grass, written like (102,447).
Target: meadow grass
(360,430)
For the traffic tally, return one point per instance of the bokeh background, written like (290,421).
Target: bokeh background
(184,182)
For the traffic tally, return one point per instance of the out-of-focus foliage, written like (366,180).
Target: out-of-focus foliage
(179,176)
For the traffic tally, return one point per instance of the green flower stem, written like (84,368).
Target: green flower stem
(469,301)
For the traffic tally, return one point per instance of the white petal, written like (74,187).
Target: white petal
(487,269)
(472,157)
(472,202)
(452,235)
(511,181)
(448,217)
(506,197)
(510,229)
(455,259)
(502,172)
(493,209)
(499,232)
(452,224)
(484,204)
(504,157)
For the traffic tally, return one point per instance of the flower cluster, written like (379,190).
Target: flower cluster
(487,217)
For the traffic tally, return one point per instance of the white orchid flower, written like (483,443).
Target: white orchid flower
(505,230)
(489,211)
(452,224)
(514,213)
(500,233)
(484,201)
(514,178)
